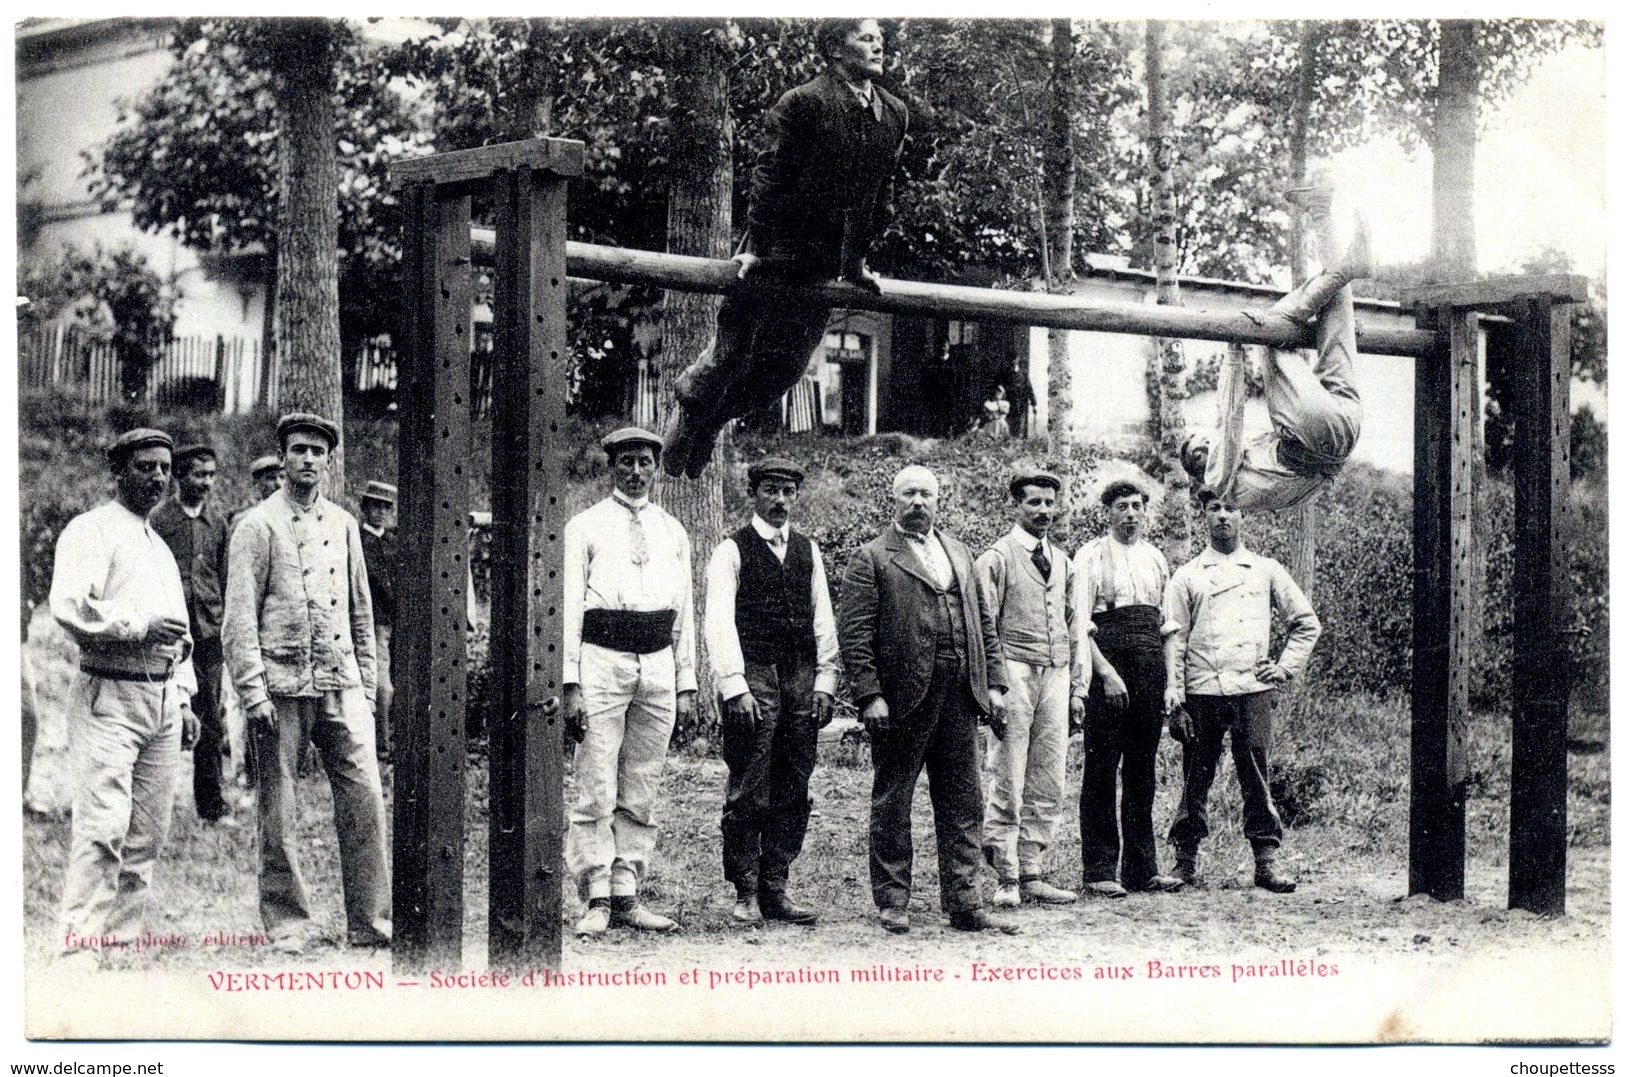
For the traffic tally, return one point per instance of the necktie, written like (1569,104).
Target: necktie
(640,538)
(1041,562)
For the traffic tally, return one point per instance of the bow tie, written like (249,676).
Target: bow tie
(778,541)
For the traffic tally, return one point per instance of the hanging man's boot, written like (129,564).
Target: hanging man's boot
(1266,875)
(1303,303)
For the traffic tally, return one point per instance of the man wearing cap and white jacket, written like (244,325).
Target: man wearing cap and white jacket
(1029,592)
(299,644)
(628,679)
(770,633)
(379,549)
(116,590)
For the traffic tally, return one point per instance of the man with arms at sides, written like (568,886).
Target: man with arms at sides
(1221,678)
(299,644)
(925,666)
(1027,584)
(378,546)
(197,533)
(770,632)
(117,592)
(1121,578)
(820,197)
(628,680)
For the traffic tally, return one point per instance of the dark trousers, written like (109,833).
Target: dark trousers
(1247,717)
(207,768)
(764,817)
(760,352)
(1123,737)
(940,737)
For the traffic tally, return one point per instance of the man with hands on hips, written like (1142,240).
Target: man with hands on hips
(925,665)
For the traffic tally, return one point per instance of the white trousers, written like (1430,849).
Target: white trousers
(1026,771)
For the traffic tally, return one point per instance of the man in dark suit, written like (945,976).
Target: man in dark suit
(924,661)
(820,197)
(378,550)
(196,532)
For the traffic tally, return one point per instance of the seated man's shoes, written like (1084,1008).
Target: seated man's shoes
(630,912)
(982,920)
(746,910)
(1106,888)
(1040,892)
(594,922)
(1007,895)
(894,920)
(781,908)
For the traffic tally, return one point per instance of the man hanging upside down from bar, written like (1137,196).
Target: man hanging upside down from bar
(820,197)
(1314,407)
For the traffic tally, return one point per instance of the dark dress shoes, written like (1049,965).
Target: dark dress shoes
(982,920)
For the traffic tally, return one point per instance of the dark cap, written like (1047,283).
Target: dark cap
(264,463)
(379,491)
(309,423)
(630,435)
(1033,477)
(188,452)
(1121,488)
(774,467)
(142,437)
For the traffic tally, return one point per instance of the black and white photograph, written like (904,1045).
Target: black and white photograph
(1031,527)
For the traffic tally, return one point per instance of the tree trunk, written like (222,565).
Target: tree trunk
(1454,254)
(1165,378)
(1303,522)
(699,221)
(307,300)
(1060,209)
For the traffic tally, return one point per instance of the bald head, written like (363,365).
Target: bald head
(914,493)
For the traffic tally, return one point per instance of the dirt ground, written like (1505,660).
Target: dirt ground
(1349,913)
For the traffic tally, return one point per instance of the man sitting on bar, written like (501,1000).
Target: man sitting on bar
(628,679)
(1314,408)
(820,197)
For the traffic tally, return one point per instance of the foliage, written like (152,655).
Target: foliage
(116,295)
(196,156)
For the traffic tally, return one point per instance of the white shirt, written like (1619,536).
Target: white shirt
(599,573)
(1112,574)
(928,548)
(114,576)
(721,594)
(192,511)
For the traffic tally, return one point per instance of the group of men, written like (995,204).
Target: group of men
(162,595)
(1023,640)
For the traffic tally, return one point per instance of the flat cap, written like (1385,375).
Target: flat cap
(142,437)
(264,463)
(774,467)
(309,423)
(630,435)
(1033,477)
(379,491)
(186,452)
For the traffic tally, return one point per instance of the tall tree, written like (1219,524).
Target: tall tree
(699,221)
(1304,522)
(1165,376)
(1060,212)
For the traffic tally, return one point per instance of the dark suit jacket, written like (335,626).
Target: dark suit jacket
(200,548)
(379,553)
(822,183)
(888,624)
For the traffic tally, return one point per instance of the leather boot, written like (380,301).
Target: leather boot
(1267,876)
(1302,304)
(1185,867)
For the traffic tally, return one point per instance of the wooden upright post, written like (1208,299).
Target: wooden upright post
(1446,378)
(527,553)
(431,634)
(1540,608)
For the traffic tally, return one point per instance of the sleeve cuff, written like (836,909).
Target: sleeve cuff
(686,682)
(732,686)
(825,682)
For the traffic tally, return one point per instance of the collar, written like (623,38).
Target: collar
(912,537)
(287,496)
(1024,538)
(625,502)
(1241,555)
(1111,538)
(189,510)
(767,530)
(375,532)
(865,98)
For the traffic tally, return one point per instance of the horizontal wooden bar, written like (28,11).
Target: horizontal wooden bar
(559,156)
(1503,291)
(684,273)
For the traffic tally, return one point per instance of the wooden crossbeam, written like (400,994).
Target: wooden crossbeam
(1559,288)
(559,156)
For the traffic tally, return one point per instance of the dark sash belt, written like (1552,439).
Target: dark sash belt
(156,677)
(1129,628)
(1297,458)
(631,631)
